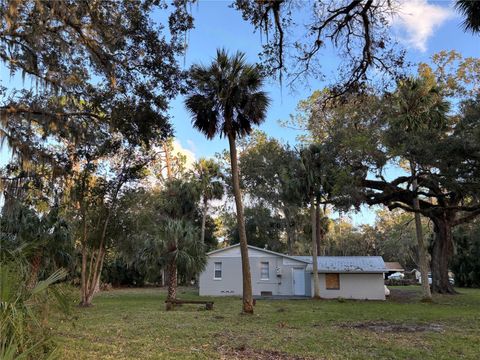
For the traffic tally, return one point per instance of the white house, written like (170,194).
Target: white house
(275,274)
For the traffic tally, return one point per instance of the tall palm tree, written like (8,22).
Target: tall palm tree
(310,165)
(418,105)
(207,174)
(471,10)
(227,100)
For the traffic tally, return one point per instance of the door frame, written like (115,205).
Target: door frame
(293,281)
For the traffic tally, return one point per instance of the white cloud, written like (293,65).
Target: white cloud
(416,21)
(155,178)
(189,154)
(191,145)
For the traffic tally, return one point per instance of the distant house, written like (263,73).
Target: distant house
(275,274)
(393,267)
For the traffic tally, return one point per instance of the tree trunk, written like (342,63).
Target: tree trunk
(172,280)
(318,229)
(168,160)
(316,280)
(247,279)
(204,219)
(83,274)
(289,229)
(422,251)
(35,264)
(442,252)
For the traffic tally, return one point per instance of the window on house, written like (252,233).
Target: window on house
(332,281)
(264,270)
(217,271)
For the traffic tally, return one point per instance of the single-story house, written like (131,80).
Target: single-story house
(275,274)
(392,268)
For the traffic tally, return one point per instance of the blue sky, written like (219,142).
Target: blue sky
(217,25)
(424,28)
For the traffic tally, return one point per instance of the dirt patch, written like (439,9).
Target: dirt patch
(242,352)
(382,327)
(404,295)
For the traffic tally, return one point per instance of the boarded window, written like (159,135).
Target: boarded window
(264,270)
(218,271)
(332,281)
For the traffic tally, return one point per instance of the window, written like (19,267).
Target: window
(264,270)
(332,281)
(217,271)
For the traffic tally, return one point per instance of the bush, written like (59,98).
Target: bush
(24,311)
(400,282)
(466,262)
(118,273)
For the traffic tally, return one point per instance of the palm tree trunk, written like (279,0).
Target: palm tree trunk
(318,228)
(35,264)
(422,251)
(172,280)
(247,279)
(204,219)
(316,280)
(290,230)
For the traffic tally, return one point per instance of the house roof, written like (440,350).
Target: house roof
(335,264)
(347,264)
(270,252)
(393,266)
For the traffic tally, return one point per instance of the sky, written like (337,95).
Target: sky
(423,28)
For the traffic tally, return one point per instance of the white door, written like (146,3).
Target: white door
(298,281)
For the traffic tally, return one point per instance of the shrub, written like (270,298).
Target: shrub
(24,311)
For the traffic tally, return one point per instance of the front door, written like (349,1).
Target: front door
(299,281)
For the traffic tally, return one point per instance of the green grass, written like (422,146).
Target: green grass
(133,324)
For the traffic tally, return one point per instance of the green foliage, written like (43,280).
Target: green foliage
(466,261)
(24,310)
(264,229)
(156,227)
(208,177)
(226,97)
(46,236)
(118,273)
(90,73)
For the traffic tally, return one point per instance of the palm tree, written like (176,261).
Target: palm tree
(174,246)
(312,185)
(227,100)
(207,173)
(418,105)
(471,10)
(24,334)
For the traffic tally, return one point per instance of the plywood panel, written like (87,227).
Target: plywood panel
(332,281)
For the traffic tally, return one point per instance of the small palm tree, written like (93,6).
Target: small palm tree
(207,174)
(227,100)
(23,309)
(175,246)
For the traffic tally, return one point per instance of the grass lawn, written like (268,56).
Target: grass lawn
(133,324)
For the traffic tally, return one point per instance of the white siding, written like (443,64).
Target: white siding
(231,282)
(355,286)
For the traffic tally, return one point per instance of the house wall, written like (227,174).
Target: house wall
(231,282)
(354,286)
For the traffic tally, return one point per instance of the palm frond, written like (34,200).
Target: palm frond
(470,9)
